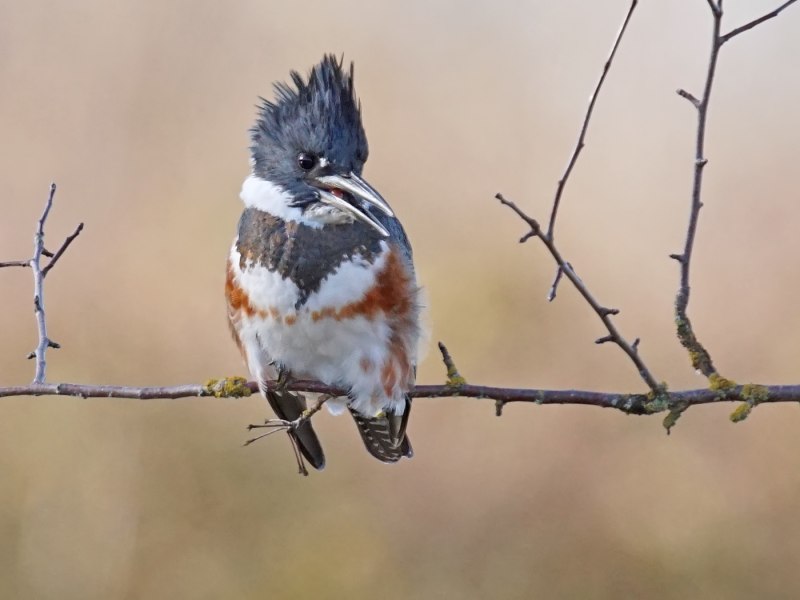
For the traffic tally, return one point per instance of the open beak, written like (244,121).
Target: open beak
(334,190)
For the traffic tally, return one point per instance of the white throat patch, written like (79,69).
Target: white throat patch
(273,199)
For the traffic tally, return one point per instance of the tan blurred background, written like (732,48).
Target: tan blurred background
(139,110)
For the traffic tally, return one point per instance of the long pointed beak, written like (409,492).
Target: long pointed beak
(360,190)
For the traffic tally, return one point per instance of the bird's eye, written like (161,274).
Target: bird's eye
(306,161)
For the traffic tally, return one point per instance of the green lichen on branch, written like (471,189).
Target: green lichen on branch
(699,356)
(660,401)
(721,385)
(673,415)
(657,401)
(753,395)
(454,378)
(228,387)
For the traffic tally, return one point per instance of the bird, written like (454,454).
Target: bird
(320,280)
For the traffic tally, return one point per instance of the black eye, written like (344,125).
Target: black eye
(306,161)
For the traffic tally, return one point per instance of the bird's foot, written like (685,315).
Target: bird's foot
(276,425)
(228,387)
(279,424)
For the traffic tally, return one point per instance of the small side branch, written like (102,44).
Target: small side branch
(454,378)
(38,292)
(15,263)
(699,356)
(39,273)
(585,126)
(603,312)
(54,257)
(747,26)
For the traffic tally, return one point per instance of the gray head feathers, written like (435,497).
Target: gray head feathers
(319,115)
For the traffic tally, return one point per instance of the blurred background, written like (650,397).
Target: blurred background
(140,110)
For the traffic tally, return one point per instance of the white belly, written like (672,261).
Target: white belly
(311,341)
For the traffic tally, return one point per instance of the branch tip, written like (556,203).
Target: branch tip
(581,142)
(454,378)
(747,26)
(688,96)
(551,295)
(498,408)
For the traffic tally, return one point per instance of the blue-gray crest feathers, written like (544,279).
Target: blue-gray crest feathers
(320,115)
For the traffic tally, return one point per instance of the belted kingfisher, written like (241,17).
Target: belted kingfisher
(320,281)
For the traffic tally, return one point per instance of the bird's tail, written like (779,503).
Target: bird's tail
(289,406)
(385,436)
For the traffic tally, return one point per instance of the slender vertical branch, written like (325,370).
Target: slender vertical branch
(585,126)
(700,357)
(548,238)
(39,273)
(38,292)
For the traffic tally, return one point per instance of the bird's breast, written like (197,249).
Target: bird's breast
(304,255)
(346,316)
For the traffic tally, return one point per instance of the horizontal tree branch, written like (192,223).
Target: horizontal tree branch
(637,404)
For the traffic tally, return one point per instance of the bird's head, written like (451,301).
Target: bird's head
(308,151)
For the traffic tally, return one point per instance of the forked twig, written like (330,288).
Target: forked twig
(603,312)
(699,356)
(39,273)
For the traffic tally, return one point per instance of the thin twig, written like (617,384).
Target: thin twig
(15,263)
(551,295)
(603,312)
(716,9)
(62,249)
(699,356)
(454,378)
(38,291)
(585,126)
(39,273)
(701,359)
(770,15)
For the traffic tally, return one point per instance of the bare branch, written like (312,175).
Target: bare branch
(38,291)
(716,9)
(454,378)
(39,273)
(15,263)
(604,313)
(700,357)
(639,404)
(770,15)
(61,250)
(684,94)
(585,126)
(551,295)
